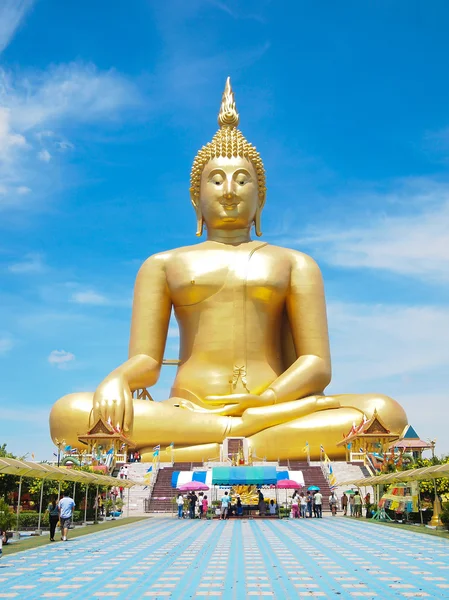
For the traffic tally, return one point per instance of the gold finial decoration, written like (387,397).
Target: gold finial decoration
(228,115)
(228,142)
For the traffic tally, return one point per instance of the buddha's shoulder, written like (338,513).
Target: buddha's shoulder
(299,260)
(161,259)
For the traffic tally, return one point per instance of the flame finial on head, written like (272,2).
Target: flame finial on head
(228,115)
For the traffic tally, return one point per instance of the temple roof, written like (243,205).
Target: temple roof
(369,428)
(411,443)
(104,431)
(409,433)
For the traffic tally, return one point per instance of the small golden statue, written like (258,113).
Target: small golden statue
(254,347)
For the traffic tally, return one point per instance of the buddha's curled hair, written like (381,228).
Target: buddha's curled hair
(227,142)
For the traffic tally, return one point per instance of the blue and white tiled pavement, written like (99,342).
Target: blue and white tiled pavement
(166,558)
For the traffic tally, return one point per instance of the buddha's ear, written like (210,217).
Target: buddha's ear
(199,215)
(257,217)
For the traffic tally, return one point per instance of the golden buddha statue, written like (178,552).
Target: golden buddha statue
(254,349)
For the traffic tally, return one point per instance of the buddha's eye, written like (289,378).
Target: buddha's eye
(241,181)
(217,179)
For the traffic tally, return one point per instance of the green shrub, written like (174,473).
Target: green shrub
(29,518)
(7,517)
(445,514)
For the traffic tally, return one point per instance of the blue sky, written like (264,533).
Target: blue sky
(102,109)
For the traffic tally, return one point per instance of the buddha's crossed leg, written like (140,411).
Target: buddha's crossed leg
(279,430)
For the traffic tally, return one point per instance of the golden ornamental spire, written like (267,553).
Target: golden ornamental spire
(228,115)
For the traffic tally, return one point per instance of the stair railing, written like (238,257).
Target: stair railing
(327,470)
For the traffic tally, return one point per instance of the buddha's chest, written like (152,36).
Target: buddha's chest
(227,276)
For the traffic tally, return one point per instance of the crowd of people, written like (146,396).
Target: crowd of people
(192,506)
(305,505)
(354,503)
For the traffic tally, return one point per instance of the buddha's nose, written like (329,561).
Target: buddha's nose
(228,192)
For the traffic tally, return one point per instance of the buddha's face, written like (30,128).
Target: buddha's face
(228,193)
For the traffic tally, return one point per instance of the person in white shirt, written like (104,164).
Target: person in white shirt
(180,503)
(318,502)
(333,503)
(65,507)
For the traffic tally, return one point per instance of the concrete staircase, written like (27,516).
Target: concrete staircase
(345,472)
(138,493)
(163,493)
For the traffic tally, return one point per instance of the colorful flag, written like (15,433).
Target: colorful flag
(156,453)
(110,451)
(322,448)
(150,469)
(67,448)
(157,448)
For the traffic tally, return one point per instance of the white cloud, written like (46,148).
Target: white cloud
(64,145)
(371,342)
(41,106)
(60,358)
(23,189)
(5,345)
(12,13)
(414,242)
(395,350)
(89,297)
(76,90)
(27,414)
(44,155)
(32,263)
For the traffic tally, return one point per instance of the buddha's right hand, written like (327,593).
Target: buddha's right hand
(113,402)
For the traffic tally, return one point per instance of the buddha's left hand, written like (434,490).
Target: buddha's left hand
(236,404)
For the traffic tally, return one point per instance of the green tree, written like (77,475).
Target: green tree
(8,483)
(427,486)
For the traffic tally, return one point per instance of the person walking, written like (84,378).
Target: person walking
(180,504)
(344,504)
(53,516)
(302,505)
(318,502)
(225,502)
(65,507)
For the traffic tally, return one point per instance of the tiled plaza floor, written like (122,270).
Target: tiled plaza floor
(167,558)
